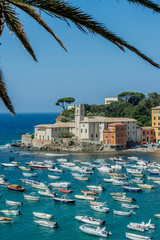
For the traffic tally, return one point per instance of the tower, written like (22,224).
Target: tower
(79,116)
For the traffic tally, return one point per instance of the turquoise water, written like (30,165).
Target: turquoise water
(24,226)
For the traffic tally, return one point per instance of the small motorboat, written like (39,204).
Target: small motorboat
(42,215)
(123,199)
(65,190)
(157,215)
(47,224)
(95,231)
(137,227)
(137,237)
(31,197)
(90,192)
(81,178)
(6,220)
(97,203)
(90,220)
(96,187)
(85,197)
(137,180)
(64,199)
(11,212)
(29,174)
(122,213)
(60,184)
(100,208)
(148,225)
(118,194)
(40,185)
(3,183)
(9,165)
(53,176)
(24,168)
(130,206)
(146,186)
(16,188)
(132,189)
(12,203)
(47,193)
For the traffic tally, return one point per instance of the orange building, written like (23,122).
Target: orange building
(148,134)
(115,135)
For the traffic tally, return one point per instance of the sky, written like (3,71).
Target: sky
(93,68)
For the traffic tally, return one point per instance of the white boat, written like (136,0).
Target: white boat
(60,184)
(6,220)
(136,227)
(146,186)
(118,194)
(122,213)
(23,168)
(39,186)
(62,160)
(123,199)
(47,193)
(29,174)
(3,183)
(12,203)
(47,224)
(157,215)
(130,206)
(96,187)
(105,169)
(95,231)
(100,208)
(85,197)
(153,178)
(134,171)
(56,170)
(11,212)
(137,180)
(9,165)
(42,215)
(148,225)
(137,237)
(31,197)
(109,180)
(53,177)
(98,203)
(90,220)
(81,178)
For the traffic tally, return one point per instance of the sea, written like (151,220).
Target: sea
(24,227)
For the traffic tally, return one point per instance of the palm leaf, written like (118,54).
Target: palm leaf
(4,95)
(66,11)
(147,3)
(31,12)
(15,26)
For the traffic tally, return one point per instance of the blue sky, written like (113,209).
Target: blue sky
(92,69)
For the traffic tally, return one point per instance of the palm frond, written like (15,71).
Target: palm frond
(66,11)
(31,12)
(4,95)
(15,26)
(147,3)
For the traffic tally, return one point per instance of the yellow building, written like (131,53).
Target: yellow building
(156,122)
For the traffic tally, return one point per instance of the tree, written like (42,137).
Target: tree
(69,100)
(135,98)
(60,9)
(62,101)
(124,96)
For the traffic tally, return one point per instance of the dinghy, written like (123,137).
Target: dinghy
(29,174)
(90,192)
(146,186)
(42,215)
(148,225)
(47,224)
(16,188)
(132,189)
(90,220)
(157,215)
(41,186)
(98,203)
(123,199)
(12,203)
(65,190)
(60,184)
(56,170)
(95,231)
(137,227)
(137,237)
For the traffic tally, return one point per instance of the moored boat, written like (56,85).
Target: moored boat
(95,231)
(100,208)
(123,199)
(53,176)
(31,197)
(46,193)
(11,212)
(6,220)
(137,237)
(90,220)
(122,213)
(47,224)
(16,188)
(148,225)
(12,203)
(132,189)
(146,186)
(65,190)
(42,215)
(64,199)
(130,206)
(96,187)
(85,197)
(90,192)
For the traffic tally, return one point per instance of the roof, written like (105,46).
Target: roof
(56,125)
(158,107)
(116,124)
(100,119)
(148,128)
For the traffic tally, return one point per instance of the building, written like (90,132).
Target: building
(156,122)
(148,135)
(70,106)
(115,135)
(109,100)
(85,128)
(139,134)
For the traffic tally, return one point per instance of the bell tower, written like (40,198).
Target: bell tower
(79,116)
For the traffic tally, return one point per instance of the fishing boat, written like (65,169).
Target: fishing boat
(16,188)
(60,184)
(95,231)
(47,224)
(136,227)
(90,192)
(122,213)
(90,220)
(148,225)
(62,160)
(53,176)
(42,215)
(130,206)
(100,208)
(11,212)
(137,237)
(6,220)
(65,190)
(31,197)
(132,189)
(96,187)
(120,183)
(47,193)
(137,174)
(123,199)
(64,199)
(29,174)
(85,197)
(12,203)
(157,215)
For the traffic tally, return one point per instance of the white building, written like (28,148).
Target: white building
(70,106)
(84,128)
(109,100)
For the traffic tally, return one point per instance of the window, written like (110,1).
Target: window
(158,118)
(96,135)
(85,130)
(43,137)
(39,137)
(81,130)
(158,133)
(48,137)
(147,132)
(92,135)
(158,128)
(158,123)
(55,129)
(154,118)
(154,123)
